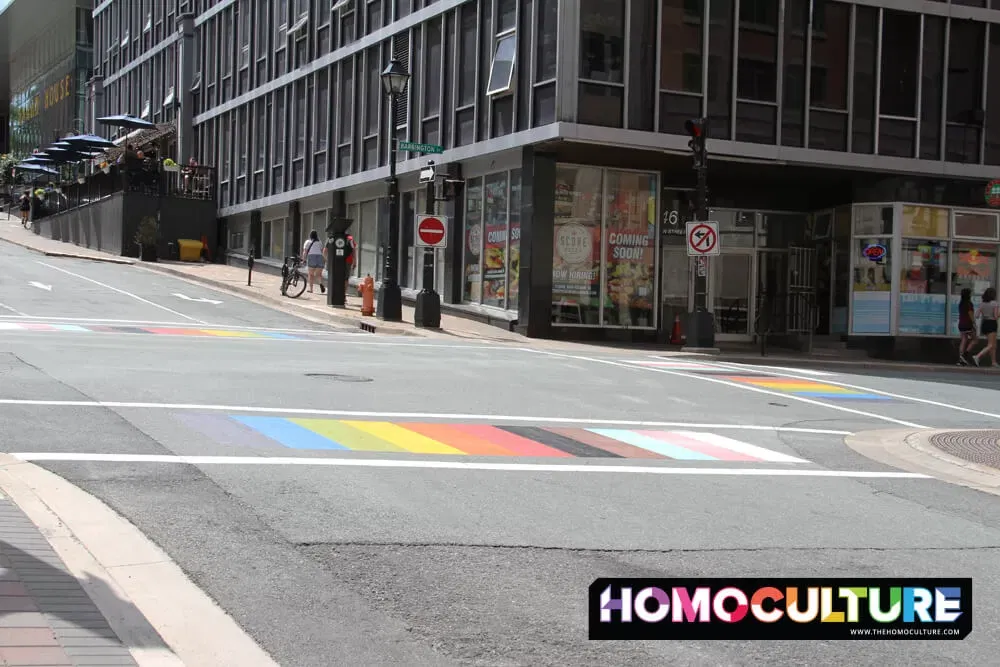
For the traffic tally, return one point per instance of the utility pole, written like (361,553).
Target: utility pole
(701,323)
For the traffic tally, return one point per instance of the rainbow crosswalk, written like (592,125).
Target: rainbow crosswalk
(451,439)
(167,331)
(807,388)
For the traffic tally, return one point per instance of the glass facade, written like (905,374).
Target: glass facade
(49,74)
(491,247)
(912,262)
(604,261)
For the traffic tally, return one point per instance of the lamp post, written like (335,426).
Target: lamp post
(390,301)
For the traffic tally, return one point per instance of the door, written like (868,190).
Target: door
(731,294)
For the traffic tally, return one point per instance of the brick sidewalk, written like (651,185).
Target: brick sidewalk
(46,617)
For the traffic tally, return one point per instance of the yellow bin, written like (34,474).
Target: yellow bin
(189,250)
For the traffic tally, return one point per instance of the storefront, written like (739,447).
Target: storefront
(911,262)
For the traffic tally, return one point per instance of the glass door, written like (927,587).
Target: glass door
(731,294)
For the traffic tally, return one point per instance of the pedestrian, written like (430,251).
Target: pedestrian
(966,325)
(314,255)
(349,261)
(25,205)
(989,311)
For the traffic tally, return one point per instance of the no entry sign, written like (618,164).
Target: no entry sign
(702,239)
(432,231)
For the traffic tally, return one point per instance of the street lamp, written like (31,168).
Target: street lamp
(390,301)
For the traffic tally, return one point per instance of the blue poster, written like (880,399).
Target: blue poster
(870,312)
(922,313)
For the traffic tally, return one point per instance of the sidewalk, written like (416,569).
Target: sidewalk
(967,457)
(82,586)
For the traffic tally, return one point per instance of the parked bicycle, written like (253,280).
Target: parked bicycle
(293,281)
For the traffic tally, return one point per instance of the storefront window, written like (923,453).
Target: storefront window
(975,225)
(925,221)
(368,250)
(273,232)
(576,262)
(872,220)
(630,249)
(923,274)
(495,244)
(473,239)
(514,249)
(974,267)
(871,295)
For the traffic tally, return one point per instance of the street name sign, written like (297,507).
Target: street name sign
(420,148)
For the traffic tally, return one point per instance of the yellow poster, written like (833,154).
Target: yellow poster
(928,222)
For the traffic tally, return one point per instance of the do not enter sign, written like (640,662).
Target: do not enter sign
(432,231)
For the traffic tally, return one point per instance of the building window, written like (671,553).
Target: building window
(965,90)
(273,239)
(322,109)
(604,259)
(502,68)
(368,245)
(602,39)
(467,57)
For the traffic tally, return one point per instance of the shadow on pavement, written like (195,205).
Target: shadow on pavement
(58,594)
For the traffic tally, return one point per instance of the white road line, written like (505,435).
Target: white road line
(792,374)
(741,447)
(707,378)
(410,415)
(457,465)
(762,367)
(28,319)
(121,291)
(12,310)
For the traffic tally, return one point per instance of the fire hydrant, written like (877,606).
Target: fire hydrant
(366,290)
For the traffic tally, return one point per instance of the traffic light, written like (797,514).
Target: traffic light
(696,130)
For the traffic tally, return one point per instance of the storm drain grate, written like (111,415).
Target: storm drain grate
(338,377)
(982,447)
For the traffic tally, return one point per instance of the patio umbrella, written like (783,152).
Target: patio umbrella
(36,159)
(124,120)
(35,167)
(87,141)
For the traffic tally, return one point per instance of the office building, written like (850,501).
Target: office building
(834,127)
(46,59)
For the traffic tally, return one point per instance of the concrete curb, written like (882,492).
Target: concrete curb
(70,255)
(911,450)
(93,539)
(370,325)
(849,363)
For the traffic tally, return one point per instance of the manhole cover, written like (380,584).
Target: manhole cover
(982,447)
(338,377)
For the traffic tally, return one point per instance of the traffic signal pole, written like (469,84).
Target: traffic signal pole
(701,322)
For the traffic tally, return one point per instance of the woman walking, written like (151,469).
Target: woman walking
(25,205)
(314,254)
(989,310)
(966,325)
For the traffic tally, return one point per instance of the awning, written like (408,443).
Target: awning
(140,139)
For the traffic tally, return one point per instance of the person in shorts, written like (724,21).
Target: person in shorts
(25,206)
(314,255)
(966,325)
(989,311)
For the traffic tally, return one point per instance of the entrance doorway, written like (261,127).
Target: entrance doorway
(731,294)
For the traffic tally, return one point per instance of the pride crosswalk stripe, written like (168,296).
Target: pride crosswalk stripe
(807,388)
(464,439)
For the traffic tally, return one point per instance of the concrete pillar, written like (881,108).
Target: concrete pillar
(538,202)
(183,94)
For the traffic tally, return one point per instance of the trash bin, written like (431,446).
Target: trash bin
(190,250)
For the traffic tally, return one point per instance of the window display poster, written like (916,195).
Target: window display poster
(872,266)
(576,265)
(922,313)
(514,246)
(473,240)
(870,312)
(630,240)
(495,241)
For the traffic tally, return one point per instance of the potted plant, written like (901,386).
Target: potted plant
(146,237)
(170,165)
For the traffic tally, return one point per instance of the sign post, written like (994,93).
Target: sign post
(702,242)
(431,234)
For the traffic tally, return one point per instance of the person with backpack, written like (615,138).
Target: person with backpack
(989,311)
(25,206)
(314,255)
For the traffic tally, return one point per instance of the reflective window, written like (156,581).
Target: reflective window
(973,267)
(965,86)
(576,263)
(502,69)
(545,54)
(514,247)
(933,78)
(630,249)
(866,33)
(495,240)
(720,68)
(467,56)
(642,65)
(794,92)
(602,40)
(923,274)
(472,242)
(900,55)
(993,99)
(681,50)
(831,45)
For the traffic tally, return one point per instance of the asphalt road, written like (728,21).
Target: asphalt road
(383,555)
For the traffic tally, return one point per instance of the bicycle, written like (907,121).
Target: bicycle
(293,281)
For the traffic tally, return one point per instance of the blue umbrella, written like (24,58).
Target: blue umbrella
(35,167)
(37,159)
(125,120)
(88,140)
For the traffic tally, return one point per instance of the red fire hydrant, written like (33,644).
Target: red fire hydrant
(366,290)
